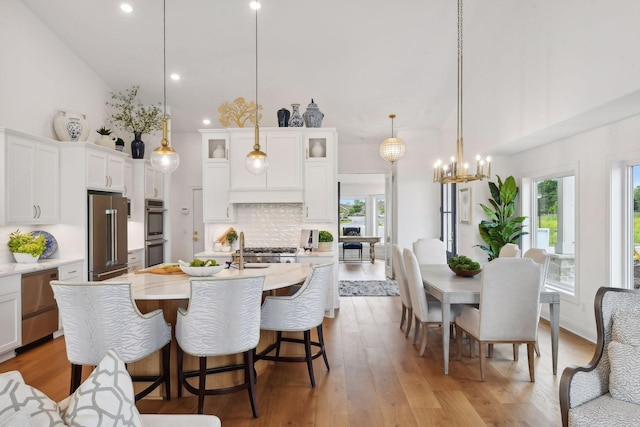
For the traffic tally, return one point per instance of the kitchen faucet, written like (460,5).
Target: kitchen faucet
(241,249)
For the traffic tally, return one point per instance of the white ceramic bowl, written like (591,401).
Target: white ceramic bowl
(201,271)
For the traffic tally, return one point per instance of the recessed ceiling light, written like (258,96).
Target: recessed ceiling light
(175,76)
(126,7)
(206,121)
(255,5)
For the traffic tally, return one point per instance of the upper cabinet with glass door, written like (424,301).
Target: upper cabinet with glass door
(318,145)
(216,146)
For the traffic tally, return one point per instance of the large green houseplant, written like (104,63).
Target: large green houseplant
(502,227)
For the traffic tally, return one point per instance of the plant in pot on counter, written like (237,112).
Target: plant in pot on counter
(26,247)
(231,237)
(324,241)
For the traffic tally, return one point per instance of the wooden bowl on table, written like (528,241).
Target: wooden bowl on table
(465,273)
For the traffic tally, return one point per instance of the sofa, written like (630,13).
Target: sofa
(105,398)
(606,392)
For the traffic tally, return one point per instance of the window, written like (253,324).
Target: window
(353,214)
(448,218)
(635,255)
(379,219)
(553,228)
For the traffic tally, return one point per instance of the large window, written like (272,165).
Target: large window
(636,225)
(353,213)
(553,228)
(448,218)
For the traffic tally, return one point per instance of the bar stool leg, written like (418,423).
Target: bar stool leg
(307,352)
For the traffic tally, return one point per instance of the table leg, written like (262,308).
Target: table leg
(446,320)
(372,252)
(554,312)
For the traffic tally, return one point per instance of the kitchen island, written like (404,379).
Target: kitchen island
(171,291)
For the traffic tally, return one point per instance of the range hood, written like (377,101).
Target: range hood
(266,196)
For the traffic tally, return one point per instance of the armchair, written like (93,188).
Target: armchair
(586,392)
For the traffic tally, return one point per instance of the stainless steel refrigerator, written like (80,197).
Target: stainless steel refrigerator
(107,236)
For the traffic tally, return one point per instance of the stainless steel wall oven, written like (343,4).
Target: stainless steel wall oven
(154,232)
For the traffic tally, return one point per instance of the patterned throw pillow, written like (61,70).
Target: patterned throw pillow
(16,396)
(626,327)
(624,381)
(106,398)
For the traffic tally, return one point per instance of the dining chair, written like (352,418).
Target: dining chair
(509,250)
(508,310)
(430,251)
(403,286)
(541,257)
(223,318)
(300,312)
(351,231)
(100,316)
(426,311)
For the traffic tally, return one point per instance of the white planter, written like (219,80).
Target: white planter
(25,258)
(107,141)
(324,246)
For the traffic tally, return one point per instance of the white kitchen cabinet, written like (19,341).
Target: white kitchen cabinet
(153,183)
(32,180)
(320,199)
(10,315)
(215,146)
(105,171)
(215,193)
(127,190)
(68,273)
(283,149)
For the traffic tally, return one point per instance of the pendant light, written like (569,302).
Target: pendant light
(164,158)
(256,161)
(392,149)
(457,170)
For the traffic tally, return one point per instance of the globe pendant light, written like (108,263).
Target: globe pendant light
(392,149)
(164,158)
(256,161)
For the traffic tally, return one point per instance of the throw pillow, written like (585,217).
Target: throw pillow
(105,398)
(626,327)
(16,396)
(624,381)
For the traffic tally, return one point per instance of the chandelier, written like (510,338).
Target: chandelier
(458,170)
(256,161)
(164,158)
(392,149)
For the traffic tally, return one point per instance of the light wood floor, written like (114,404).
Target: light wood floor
(356,270)
(376,379)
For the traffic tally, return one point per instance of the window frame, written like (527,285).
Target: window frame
(452,195)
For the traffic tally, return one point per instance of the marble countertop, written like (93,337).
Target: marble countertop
(149,286)
(12,268)
(301,253)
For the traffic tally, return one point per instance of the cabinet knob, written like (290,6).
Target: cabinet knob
(195,239)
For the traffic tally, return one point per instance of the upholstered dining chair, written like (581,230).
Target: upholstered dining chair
(223,318)
(351,231)
(430,251)
(508,311)
(403,286)
(100,316)
(426,311)
(300,312)
(541,257)
(509,250)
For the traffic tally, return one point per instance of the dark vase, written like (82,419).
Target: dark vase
(137,146)
(283,118)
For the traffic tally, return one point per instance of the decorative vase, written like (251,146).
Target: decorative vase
(25,258)
(218,152)
(296,119)
(283,117)
(317,150)
(137,146)
(107,141)
(313,116)
(71,126)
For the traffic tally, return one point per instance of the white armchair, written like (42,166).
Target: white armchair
(509,251)
(508,311)
(298,313)
(223,318)
(99,316)
(403,286)
(426,311)
(430,251)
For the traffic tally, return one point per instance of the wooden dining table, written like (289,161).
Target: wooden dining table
(449,289)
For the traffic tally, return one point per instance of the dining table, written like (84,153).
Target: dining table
(372,240)
(450,288)
(169,292)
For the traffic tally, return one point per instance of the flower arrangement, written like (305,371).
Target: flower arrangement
(131,115)
(27,243)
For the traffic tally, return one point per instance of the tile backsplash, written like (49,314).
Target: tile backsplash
(265,224)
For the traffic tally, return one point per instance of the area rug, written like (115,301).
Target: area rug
(366,288)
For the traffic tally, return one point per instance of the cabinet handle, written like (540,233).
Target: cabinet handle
(39,211)
(110,181)
(72,272)
(307,208)
(306,153)
(227,211)
(226,153)
(126,193)
(35,211)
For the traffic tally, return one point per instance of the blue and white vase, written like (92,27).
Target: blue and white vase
(313,116)
(296,119)
(71,127)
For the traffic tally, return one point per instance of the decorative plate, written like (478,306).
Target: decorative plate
(52,244)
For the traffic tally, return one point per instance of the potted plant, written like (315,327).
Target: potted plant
(230,237)
(120,144)
(106,140)
(132,116)
(503,227)
(26,247)
(325,240)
